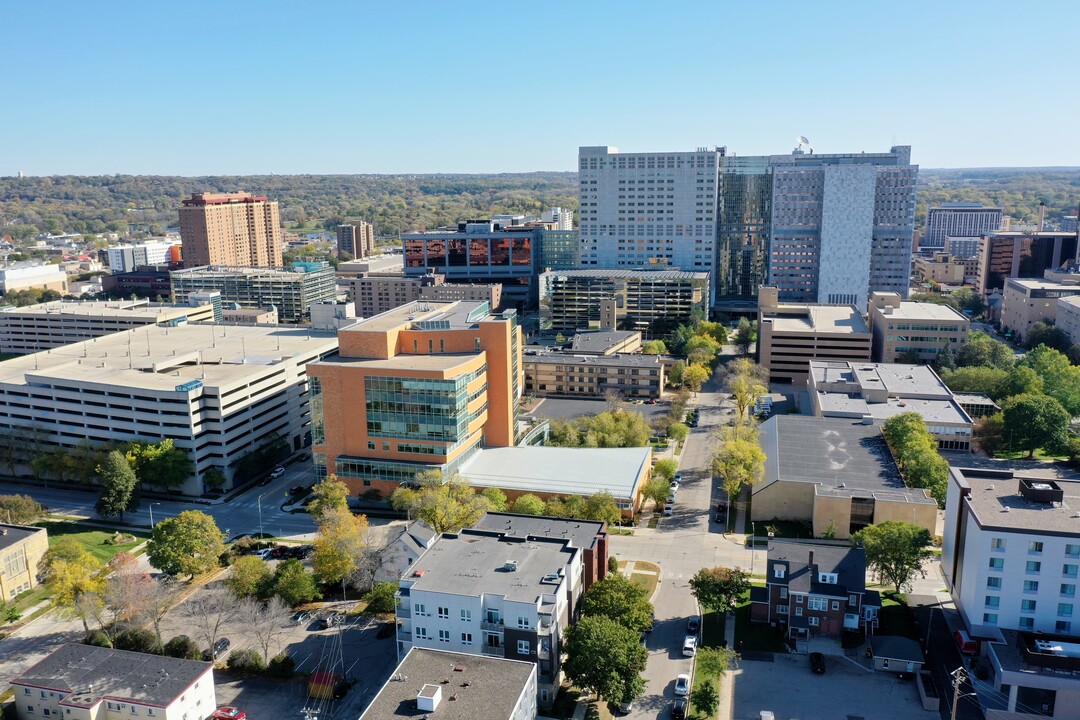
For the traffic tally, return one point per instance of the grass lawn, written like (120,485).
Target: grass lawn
(1040,454)
(713,626)
(30,598)
(755,636)
(93,538)
(896,617)
(648,579)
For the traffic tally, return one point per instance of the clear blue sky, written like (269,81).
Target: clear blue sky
(215,88)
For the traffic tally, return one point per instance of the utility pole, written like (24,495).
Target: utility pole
(958,676)
(260,518)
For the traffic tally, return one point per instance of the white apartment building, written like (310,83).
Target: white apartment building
(83,682)
(958,219)
(481,592)
(563,218)
(24,276)
(646,209)
(126,258)
(1011,558)
(218,391)
(33,328)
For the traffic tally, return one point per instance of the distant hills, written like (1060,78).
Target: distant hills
(400,203)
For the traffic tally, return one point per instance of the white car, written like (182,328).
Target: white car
(277,472)
(682,684)
(689,646)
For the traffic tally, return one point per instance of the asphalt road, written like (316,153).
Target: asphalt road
(943,657)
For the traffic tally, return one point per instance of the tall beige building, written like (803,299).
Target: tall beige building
(238,229)
(356,237)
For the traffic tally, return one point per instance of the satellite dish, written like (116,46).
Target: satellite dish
(802,140)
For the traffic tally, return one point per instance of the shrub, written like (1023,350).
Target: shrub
(182,647)
(97,638)
(136,640)
(281,666)
(246,661)
(612,564)
(381,600)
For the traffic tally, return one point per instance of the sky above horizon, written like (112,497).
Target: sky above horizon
(226,88)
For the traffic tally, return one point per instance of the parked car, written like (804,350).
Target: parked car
(644,637)
(279,552)
(965,643)
(693,625)
(678,709)
(264,553)
(221,648)
(671,498)
(669,509)
(228,712)
(301,617)
(689,646)
(650,401)
(277,472)
(678,478)
(625,708)
(817,663)
(674,485)
(297,489)
(682,684)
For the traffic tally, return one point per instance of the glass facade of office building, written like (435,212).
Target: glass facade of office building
(419,408)
(742,256)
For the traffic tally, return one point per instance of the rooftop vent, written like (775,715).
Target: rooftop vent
(510,566)
(1041,491)
(429,698)
(419,573)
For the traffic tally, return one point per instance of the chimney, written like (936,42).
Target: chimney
(810,563)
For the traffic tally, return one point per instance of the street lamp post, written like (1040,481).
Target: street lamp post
(152,514)
(260,518)
(753,545)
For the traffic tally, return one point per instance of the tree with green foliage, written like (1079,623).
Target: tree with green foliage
(619,599)
(989,432)
(74,577)
(738,460)
(182,647)
(293,583)
(119,487)
(678,432)
(715,330)
(945,360)
(718,589)
(528,504)
(915,451)
(969,301)
(1043,333)
(496,499)
(382,599)
(695,376)
(702,350)
(706,698)
(446,507)
(161,464)
(618,429)
(745,335)
(214,478)
(981,350)
(715,661)
(675,374)
(654,347)
(746,381)
(188,544)
(990,381)
(602,507)
(1021,380)
(329,494)
(1061,379)
(895,550)
(1032,421)
(665,469)
(571,506)
(657,490)
(20,510)
(249,576)
(339,545)
(606,658)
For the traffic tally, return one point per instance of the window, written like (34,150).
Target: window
(993,583)
(444,636)
(134,710)
(150,712)
(466,638)
(1031,586)
(815,603)
(835,604)
(523,647)
(421,633)
(1027,623)
(1065,609)
(444,613)
(798,612)
(1063,626)
(853,600)
(783,593)
(990,618)
(1068,570)
(466,615)
(1068,590)
(812,622)
(29,708)
(523,622)
(1033,566)
(798,599)
(778,571)
(1035,547)
(1072,550)
(992,601)
(997,544)
(782,609)
(997,563)
(418,608)
(1028,606)
(828,578)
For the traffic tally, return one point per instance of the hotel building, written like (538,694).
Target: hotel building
(230,229)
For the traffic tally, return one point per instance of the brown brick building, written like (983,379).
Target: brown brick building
(357,238)
(230,229)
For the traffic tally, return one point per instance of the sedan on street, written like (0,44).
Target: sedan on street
(682,684)
(817,663)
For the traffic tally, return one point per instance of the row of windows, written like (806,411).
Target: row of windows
(1035,547)
(1034,567)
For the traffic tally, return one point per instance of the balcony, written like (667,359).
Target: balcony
(491,626)
(404,611)
(404,635)
(493,651)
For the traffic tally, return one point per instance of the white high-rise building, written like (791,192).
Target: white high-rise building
(126,258)
(959,220)
(642,209)
(563,218)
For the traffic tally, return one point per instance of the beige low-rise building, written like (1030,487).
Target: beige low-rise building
(376,294)
(21,548)
(790,335)
(942,268)
(1068,317)
(605,342)
(1027,301)
(904,329)
(550,373)
(32,276)
(835,474)
(251,316)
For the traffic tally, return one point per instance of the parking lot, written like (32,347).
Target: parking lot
(788,688)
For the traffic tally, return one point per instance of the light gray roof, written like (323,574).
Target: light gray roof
(600,340)
(475,561)
(11,535)
(896,647)
(582,533)
(117,674)
(564,471)
(548,357)
(994,491)
(483,687)
(843,457)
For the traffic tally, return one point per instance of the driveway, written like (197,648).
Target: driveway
(788,688)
